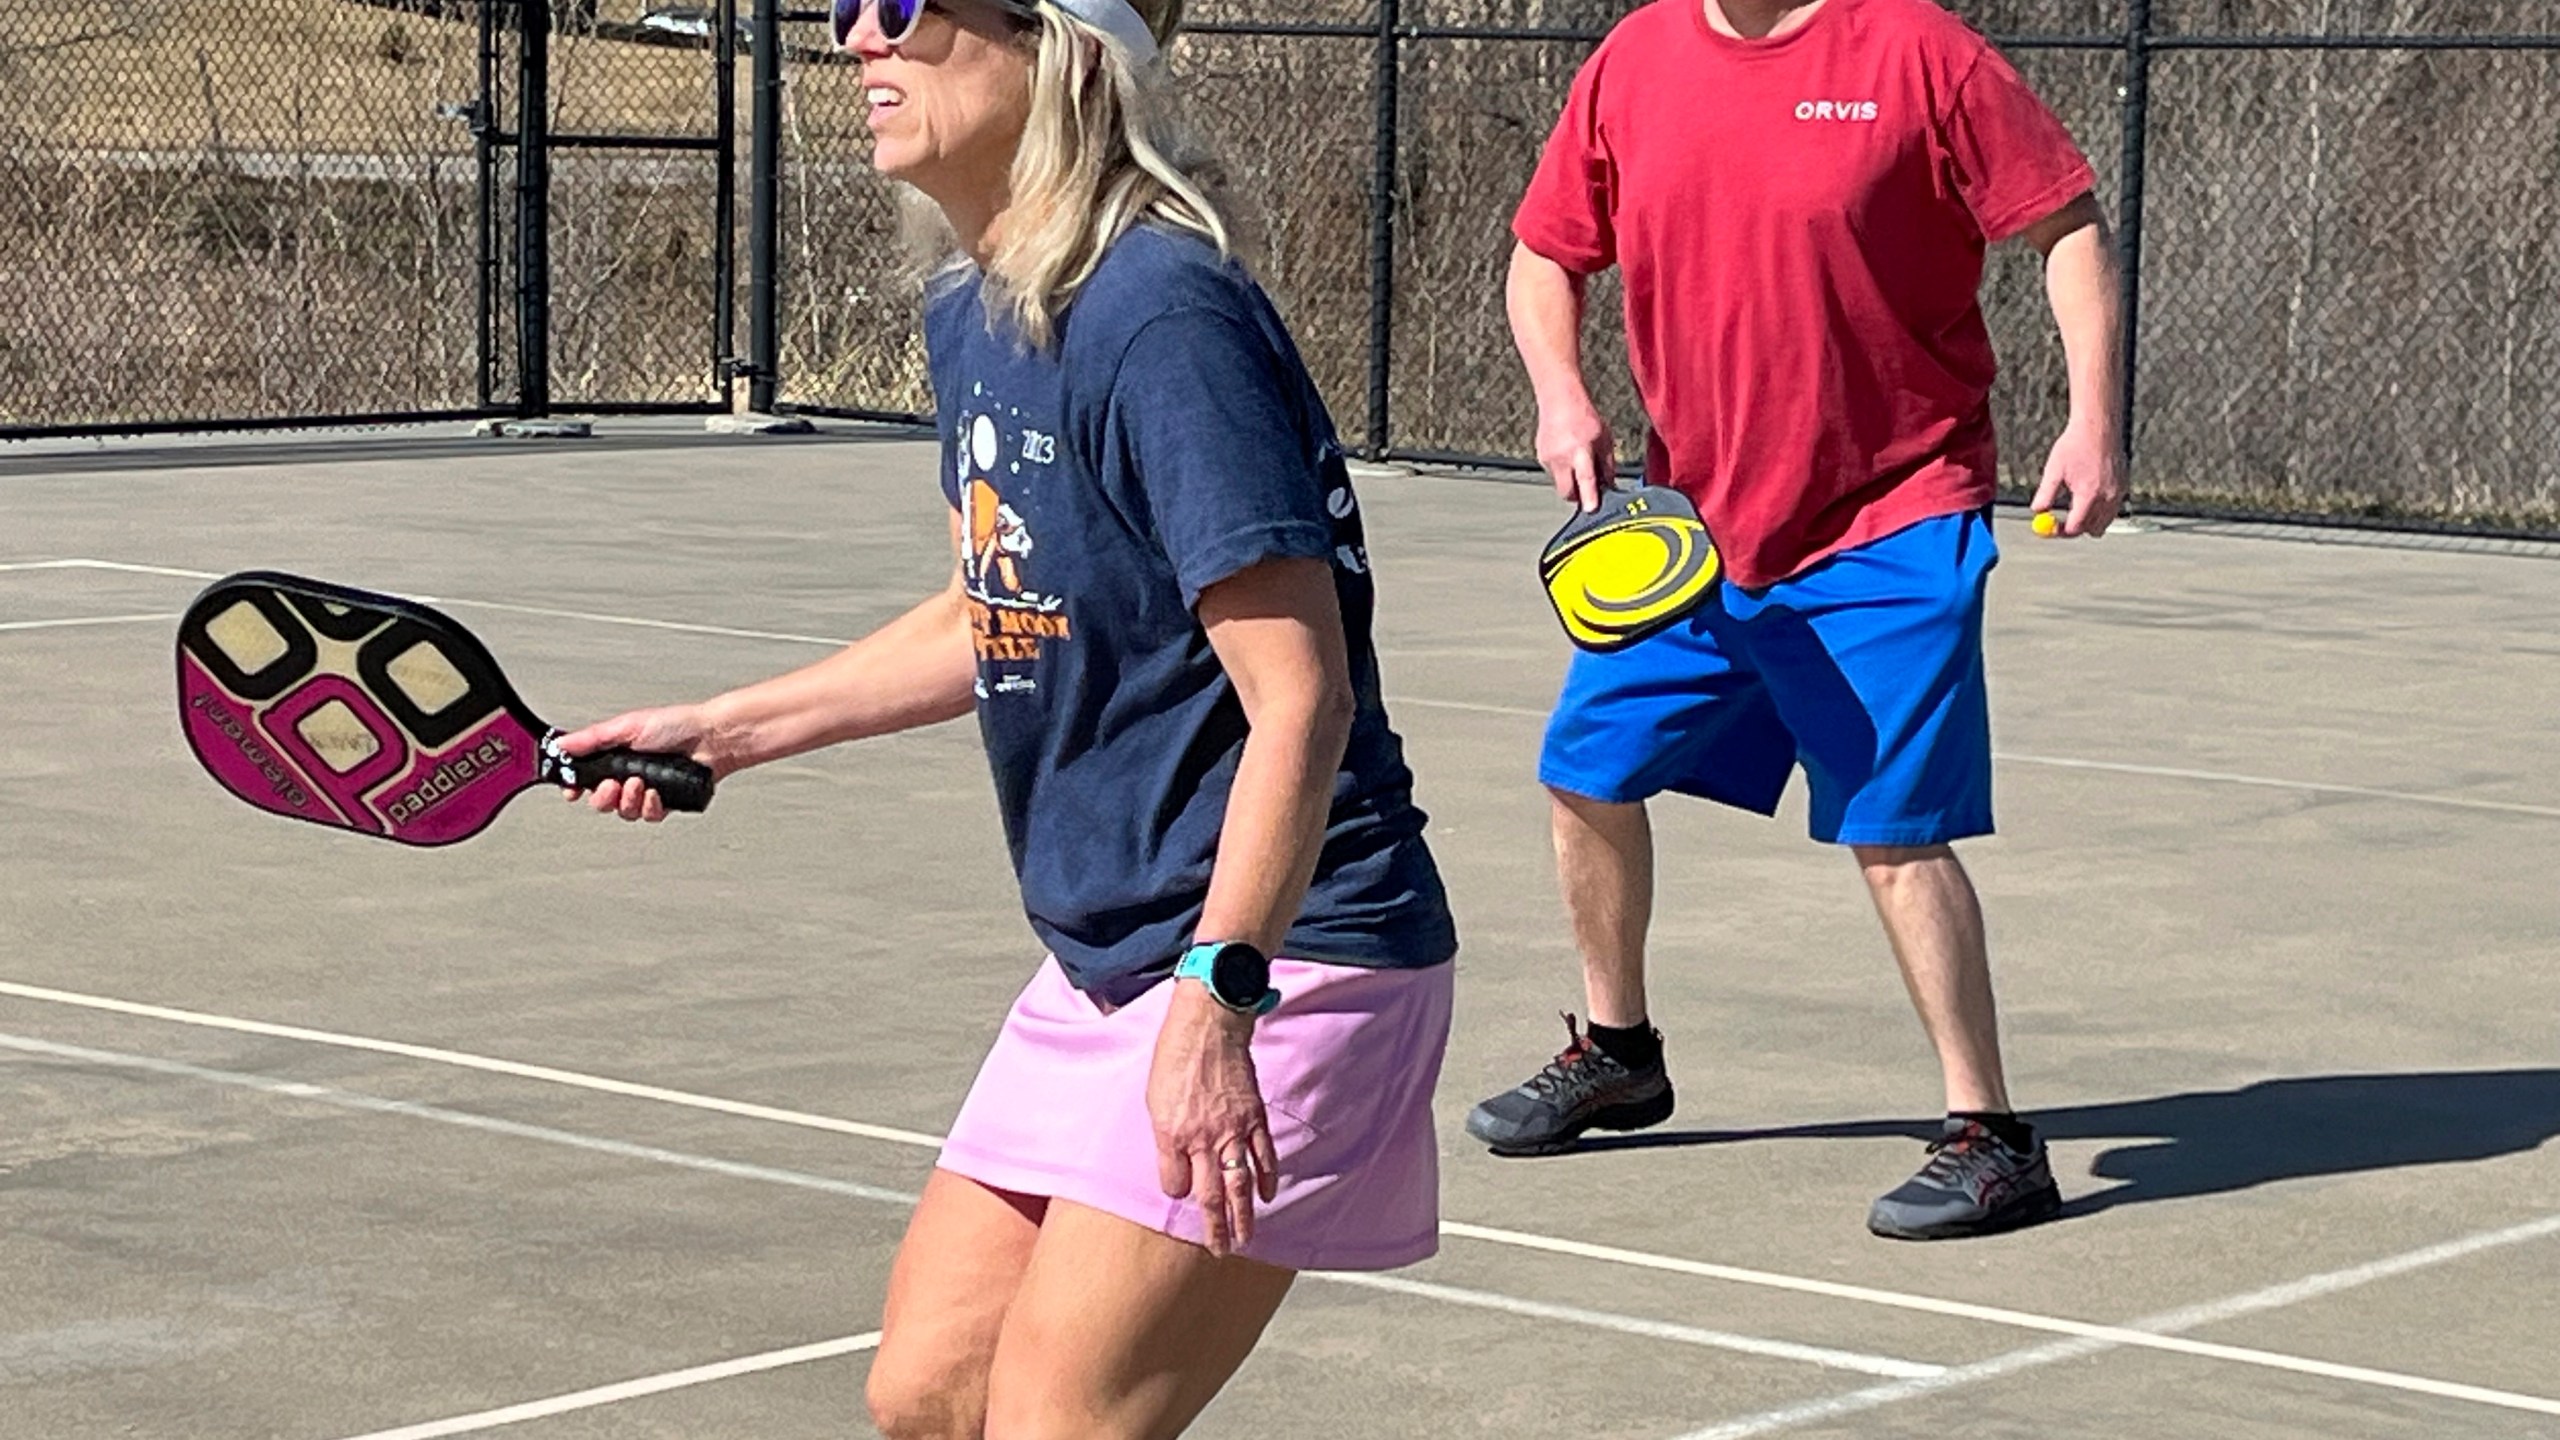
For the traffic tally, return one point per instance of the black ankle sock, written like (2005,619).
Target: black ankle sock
(1638,1046)
(2013,1132)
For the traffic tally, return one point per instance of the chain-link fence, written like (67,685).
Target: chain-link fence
(851,313)
(2351,278)
(234,210)
(227,210)
(247,211)
(642,126)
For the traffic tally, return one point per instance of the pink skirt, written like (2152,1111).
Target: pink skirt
(1347,1063)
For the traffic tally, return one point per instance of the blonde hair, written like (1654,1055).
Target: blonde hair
(1103,150)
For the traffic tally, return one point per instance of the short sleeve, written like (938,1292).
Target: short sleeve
(942,342)
(2013,161)
(1567,214)
(1207,428)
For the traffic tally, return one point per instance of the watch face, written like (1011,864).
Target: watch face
(1240,974)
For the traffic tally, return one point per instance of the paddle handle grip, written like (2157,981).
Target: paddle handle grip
(684,785)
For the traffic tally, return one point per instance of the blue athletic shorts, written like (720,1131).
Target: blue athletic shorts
(1866,669)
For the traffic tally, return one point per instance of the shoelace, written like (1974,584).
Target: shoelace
(1948,1154)
(1559,1073)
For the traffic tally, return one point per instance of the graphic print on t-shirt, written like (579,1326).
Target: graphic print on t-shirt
(1101,487)
(1010,618)
(998,540)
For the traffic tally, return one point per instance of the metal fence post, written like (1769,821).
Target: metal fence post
(533,209)
(764,218)
(1382,225)
(484,155)
(2137,127)
(724,205)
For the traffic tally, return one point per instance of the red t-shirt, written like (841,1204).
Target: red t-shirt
(1800,223)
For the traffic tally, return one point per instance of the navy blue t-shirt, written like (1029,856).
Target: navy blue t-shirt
(1169,439)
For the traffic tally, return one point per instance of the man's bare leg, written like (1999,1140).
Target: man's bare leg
(1988,1172)
(1934,921)
(1604,861)
(1612,1079)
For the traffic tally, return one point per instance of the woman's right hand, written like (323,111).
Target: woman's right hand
(1213,1136)
(668,730)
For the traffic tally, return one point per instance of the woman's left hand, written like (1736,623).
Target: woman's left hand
(1213,1140)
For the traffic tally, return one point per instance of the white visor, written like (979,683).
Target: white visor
(1117,19)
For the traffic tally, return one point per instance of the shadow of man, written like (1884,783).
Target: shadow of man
(2212,1142)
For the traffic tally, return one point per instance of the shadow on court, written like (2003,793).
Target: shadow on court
(2211,1142)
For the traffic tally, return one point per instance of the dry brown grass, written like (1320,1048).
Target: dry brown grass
(252,209)
(321,75)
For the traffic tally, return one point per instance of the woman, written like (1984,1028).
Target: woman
(1161,614)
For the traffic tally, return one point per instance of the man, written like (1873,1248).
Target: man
(1798,195)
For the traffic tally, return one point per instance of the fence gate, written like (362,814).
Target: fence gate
(608,227)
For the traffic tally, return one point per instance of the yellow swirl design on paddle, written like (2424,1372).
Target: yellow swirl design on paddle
(1621,583)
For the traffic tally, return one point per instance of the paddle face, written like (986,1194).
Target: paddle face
(349,709)
(1636,565)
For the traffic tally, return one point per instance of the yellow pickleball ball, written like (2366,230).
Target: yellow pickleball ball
(2046,523)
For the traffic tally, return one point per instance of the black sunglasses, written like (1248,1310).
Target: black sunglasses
(899,18)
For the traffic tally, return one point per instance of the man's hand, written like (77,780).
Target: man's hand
(1544,301)
(2089,465)
(2082,282)
(1575,446)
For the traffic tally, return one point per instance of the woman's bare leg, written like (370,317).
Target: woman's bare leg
(964,1257)
(1119,1332)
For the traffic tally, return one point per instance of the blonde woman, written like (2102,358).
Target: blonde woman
(1222,1073)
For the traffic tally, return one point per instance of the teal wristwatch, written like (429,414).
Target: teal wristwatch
(1237,975)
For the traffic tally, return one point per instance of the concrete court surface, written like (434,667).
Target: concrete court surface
(307,1136)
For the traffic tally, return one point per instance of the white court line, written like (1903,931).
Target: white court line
(1470,706)
(2164,772)
(630,1389)
(1650,1329)
(587,615)
(354,1100)
(724,630)
(2224,777)
(1787,1417)
(2168,1324)
(1449,1294)
(2105,1336)
(2140,1335)
(721,630)
(82,620)
(115,565)
(466,1061)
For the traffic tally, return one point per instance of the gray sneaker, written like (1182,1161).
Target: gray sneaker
(1581,1089)
(1972,1185)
